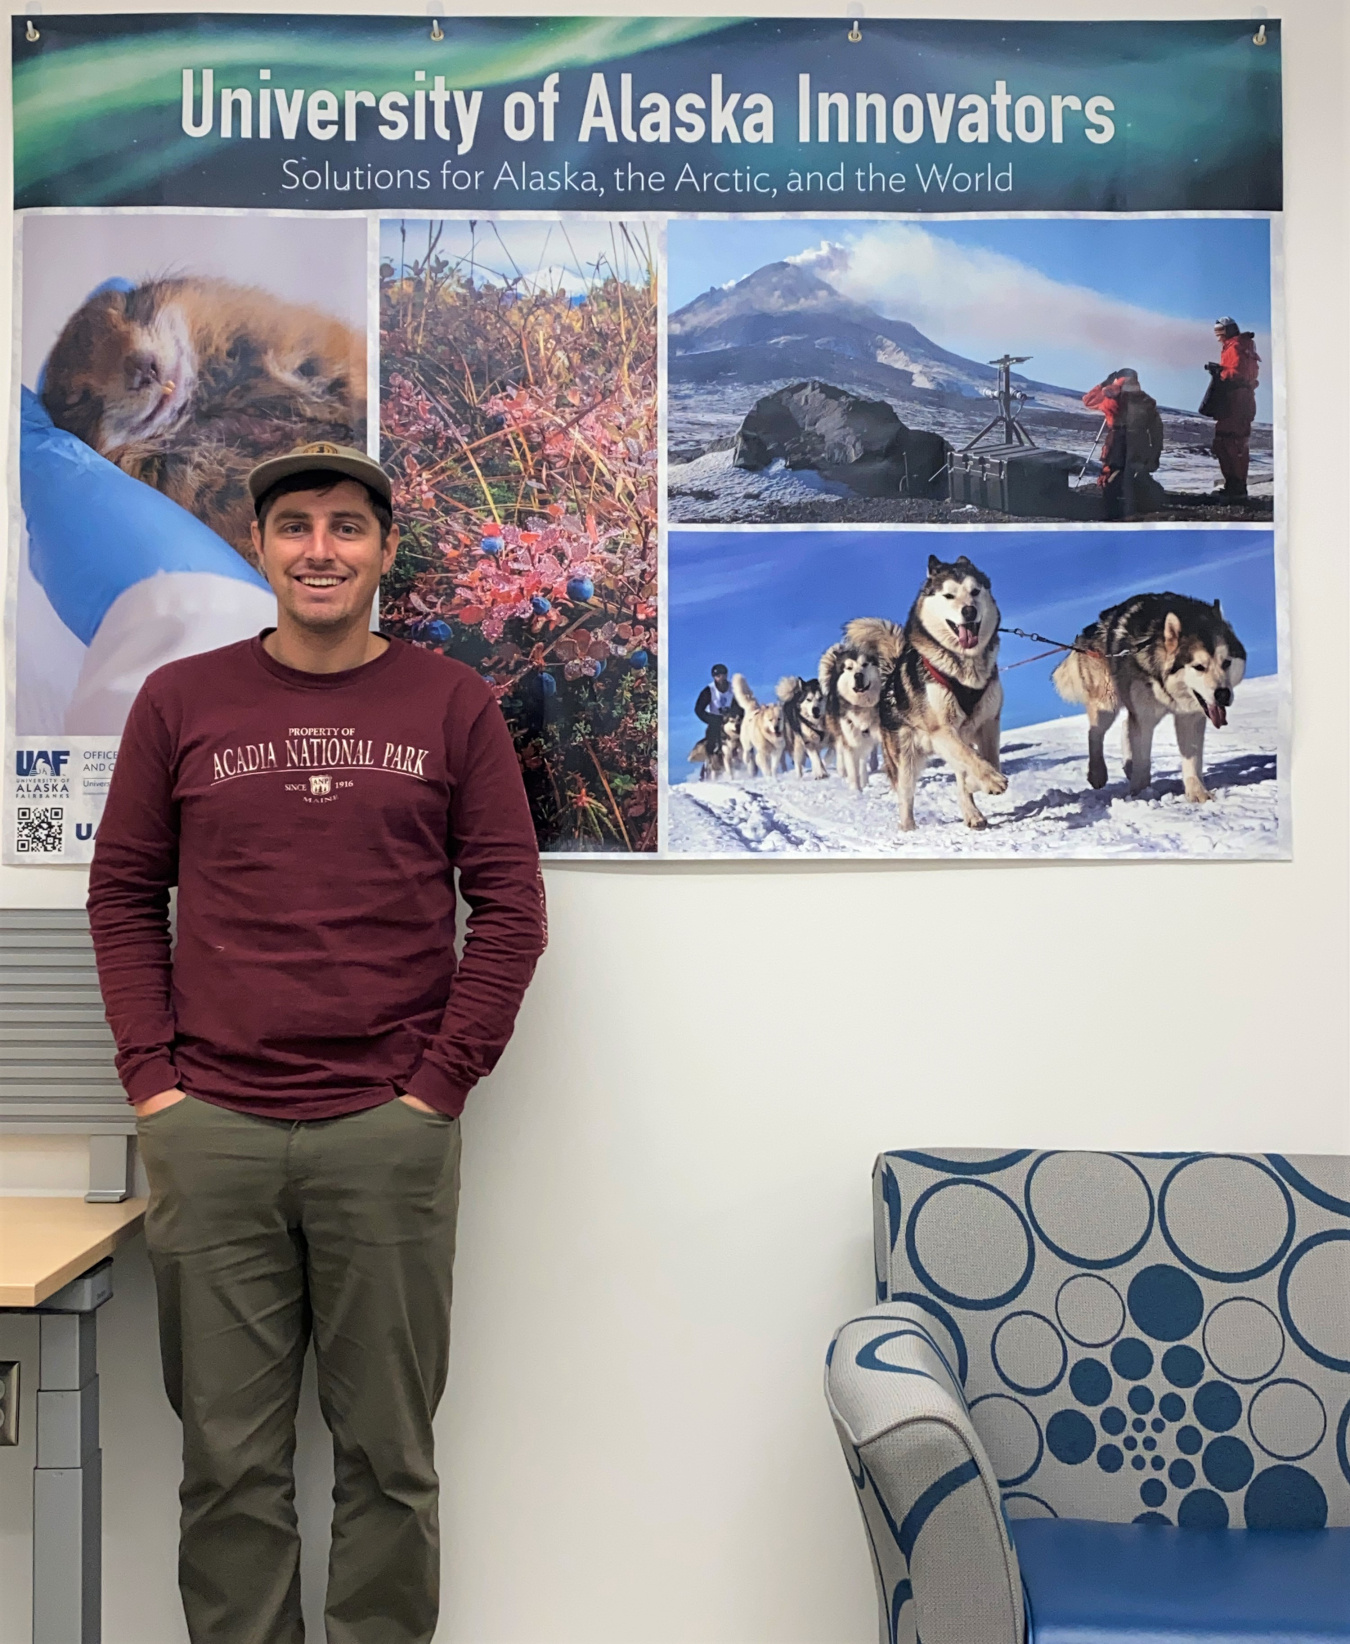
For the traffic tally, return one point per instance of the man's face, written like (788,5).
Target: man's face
(321,552)
(720,679)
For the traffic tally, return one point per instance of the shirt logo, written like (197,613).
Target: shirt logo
(321,784)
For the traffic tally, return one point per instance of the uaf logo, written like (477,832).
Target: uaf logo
(321,784)
(40,761)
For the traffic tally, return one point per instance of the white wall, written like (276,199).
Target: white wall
(666,1198)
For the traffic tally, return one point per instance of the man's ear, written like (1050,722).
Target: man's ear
(390,549)
(255,531)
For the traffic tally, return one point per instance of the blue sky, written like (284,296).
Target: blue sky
(540,251)
(769,602)
(1074,293)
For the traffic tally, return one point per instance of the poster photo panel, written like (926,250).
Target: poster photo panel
(878,704)
(847,370)
(161,355)
(518,370)
(684,341)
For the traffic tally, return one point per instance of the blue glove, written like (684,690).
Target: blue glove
(94,532)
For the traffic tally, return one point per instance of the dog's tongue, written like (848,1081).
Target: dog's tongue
(1217,715)
(967,638)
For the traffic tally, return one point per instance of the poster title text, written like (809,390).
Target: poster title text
(614,111)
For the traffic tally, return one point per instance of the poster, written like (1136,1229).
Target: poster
(876,363)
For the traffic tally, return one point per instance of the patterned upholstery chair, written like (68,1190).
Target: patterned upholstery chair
(1089,1380)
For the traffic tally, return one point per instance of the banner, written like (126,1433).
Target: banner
(848,440)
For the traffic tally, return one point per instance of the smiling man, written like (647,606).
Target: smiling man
(299,1059)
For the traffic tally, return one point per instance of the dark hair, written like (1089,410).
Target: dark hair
(321,480)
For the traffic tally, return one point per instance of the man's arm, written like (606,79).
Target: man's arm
(135,863)
(493,844)
(703,707)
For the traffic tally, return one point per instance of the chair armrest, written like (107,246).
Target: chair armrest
(928,1495)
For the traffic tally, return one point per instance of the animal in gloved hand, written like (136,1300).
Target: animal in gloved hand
(187,384)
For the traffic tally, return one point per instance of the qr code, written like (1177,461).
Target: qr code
(41,828)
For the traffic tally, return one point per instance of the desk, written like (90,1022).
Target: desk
(55,1262)
(45,1243)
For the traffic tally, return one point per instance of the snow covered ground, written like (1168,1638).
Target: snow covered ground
(1048,810)
(709,490)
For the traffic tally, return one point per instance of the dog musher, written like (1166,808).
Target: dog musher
(299,1058)
(714,703)
(1231,401)
(1134,444)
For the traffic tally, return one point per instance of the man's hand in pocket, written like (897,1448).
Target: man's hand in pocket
(408,1101)
(154,1104)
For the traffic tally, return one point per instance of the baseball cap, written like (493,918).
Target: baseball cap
(323,457)
(1225,322)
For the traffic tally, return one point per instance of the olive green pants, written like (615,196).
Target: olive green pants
(264,1234)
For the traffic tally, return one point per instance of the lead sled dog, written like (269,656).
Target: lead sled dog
(1154,655)
(940,694)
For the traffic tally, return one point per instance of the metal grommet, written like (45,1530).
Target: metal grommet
(1259,38)
(30,33)
(437,32)
(854,35)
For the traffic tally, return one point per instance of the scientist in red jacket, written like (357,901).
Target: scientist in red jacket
(1235,375)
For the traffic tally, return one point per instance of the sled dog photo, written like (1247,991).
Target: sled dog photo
(761,729)
(921,671)
(941,696)
(1154,655)
(850,675)
(804,728)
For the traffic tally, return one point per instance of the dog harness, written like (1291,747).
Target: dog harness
(967,697)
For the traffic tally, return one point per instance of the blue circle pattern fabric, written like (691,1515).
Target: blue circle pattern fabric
(1173,1328)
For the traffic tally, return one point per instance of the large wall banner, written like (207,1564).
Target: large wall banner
(826,439)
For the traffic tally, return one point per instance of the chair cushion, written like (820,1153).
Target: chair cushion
(1090,1583)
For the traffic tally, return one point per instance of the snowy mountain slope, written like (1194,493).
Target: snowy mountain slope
(1048,810)
(783,320)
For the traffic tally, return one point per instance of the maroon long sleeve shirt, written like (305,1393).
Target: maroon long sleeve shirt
(311,823)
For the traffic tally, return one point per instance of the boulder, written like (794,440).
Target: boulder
(856,442)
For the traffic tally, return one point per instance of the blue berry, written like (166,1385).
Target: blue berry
(491,545)
(438,631)
(638,659)
(548,685)
(541,606)
(580,588)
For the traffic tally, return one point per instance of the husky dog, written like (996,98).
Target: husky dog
(804,729)
(942,695)
(1154,655)
(761,729)
(727,757)
(850,675)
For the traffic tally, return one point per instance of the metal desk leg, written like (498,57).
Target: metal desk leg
(68,1477)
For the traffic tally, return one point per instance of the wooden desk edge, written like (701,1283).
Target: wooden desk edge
(20,1295)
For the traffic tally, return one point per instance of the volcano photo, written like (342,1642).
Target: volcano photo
(855,377)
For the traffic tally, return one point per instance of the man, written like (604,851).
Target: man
(299,1063)
(1134,444)
(714,703)
(1232,402)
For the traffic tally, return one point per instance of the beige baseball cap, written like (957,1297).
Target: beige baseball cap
(324,457)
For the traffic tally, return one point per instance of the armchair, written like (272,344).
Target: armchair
(1104,1397)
